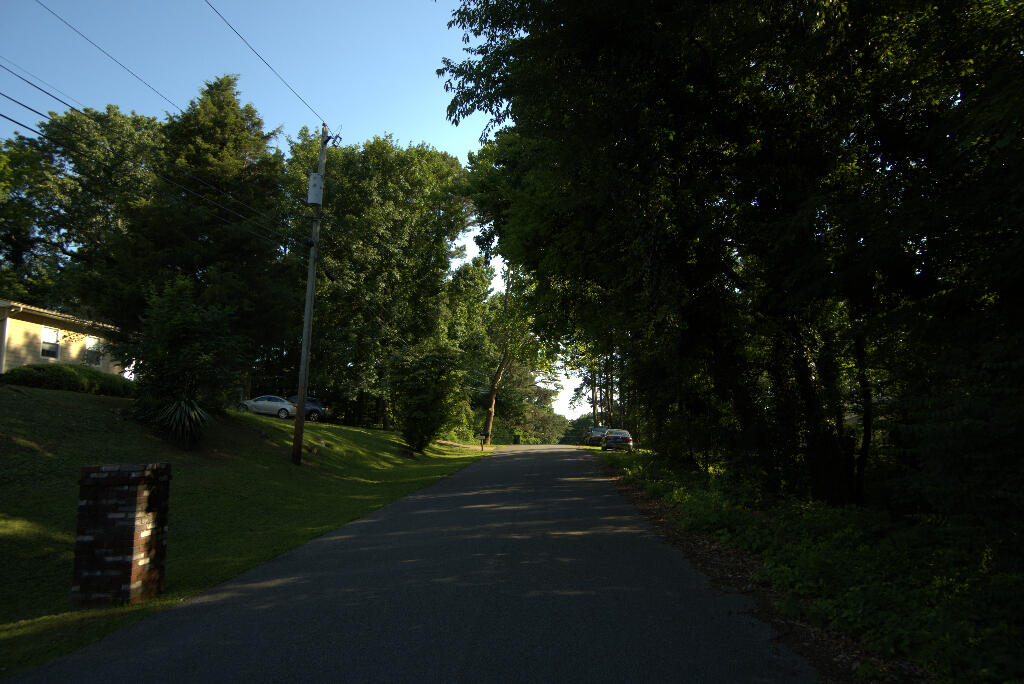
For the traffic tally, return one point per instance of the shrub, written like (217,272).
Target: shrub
(184,420)
(431,399)
(61,376)
(938,589)
(186,361)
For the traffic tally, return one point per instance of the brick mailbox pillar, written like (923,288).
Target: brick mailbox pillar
(122,534)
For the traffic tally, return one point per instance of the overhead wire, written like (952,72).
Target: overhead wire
(254,51)
(42,90)
(69,25)
(272,233)
(262,236)
(148,85)
(18,66)
(168,100)
(272,230)
(139,78)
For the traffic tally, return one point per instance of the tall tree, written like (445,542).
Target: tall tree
(513,343)
(391,217)
(189,207)
(30,257)
(767,207)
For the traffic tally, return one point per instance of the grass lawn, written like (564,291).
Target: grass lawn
(236,502)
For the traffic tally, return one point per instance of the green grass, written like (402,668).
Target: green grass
(945,595)
(237,501)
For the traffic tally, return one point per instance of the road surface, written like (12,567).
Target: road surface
(527,566)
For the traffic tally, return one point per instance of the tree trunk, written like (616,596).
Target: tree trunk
(495,381)
(386,415)
(246,388)
(830,480)
(361,409)
(867,416)
(609,380)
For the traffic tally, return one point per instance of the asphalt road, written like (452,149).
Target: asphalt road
(527,566)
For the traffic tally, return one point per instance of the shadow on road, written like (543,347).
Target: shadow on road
(526,566)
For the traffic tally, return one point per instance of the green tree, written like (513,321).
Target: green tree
(765,215)
(186,360)
(577,430)
(29,258)
(391,217)
(524,408)
(94,168)
(430,392)
(465,322)
(513,344)
(145,207)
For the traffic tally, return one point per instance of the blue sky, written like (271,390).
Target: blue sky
(368,68)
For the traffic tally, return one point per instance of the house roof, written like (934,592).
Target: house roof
(17,307)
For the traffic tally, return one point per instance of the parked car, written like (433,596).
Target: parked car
(315,409)
(596,435)
(269,405)
(617,439)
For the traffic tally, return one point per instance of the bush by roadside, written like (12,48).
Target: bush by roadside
(945,595)
(72,378)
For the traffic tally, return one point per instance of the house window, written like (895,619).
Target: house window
(93,355)
(51,343)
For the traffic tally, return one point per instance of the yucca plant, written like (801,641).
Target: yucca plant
(184,420)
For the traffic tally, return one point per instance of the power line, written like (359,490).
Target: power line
(108,166)
(168,100)
(39,89)
(317,115)
(18,123)
(262,236)
(268,228)
(18,102)
(271,231)
(142,80)
(69,106)
(18,66)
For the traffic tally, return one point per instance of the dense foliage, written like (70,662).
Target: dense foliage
(782,241)
(190,236)
(430,391)
(922,586)
(793,230)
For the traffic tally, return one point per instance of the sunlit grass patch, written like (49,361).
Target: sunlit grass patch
(236,501)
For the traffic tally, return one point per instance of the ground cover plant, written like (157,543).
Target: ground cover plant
(934,590)
(236,502)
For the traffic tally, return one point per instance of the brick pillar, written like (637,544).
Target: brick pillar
(121,543)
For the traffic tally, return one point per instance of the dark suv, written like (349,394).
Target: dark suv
(315,409)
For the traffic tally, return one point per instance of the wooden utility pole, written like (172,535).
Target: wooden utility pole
(315,199)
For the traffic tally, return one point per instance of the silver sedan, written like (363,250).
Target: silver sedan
(269,405)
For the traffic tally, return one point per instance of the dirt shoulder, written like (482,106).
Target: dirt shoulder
(837,658)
